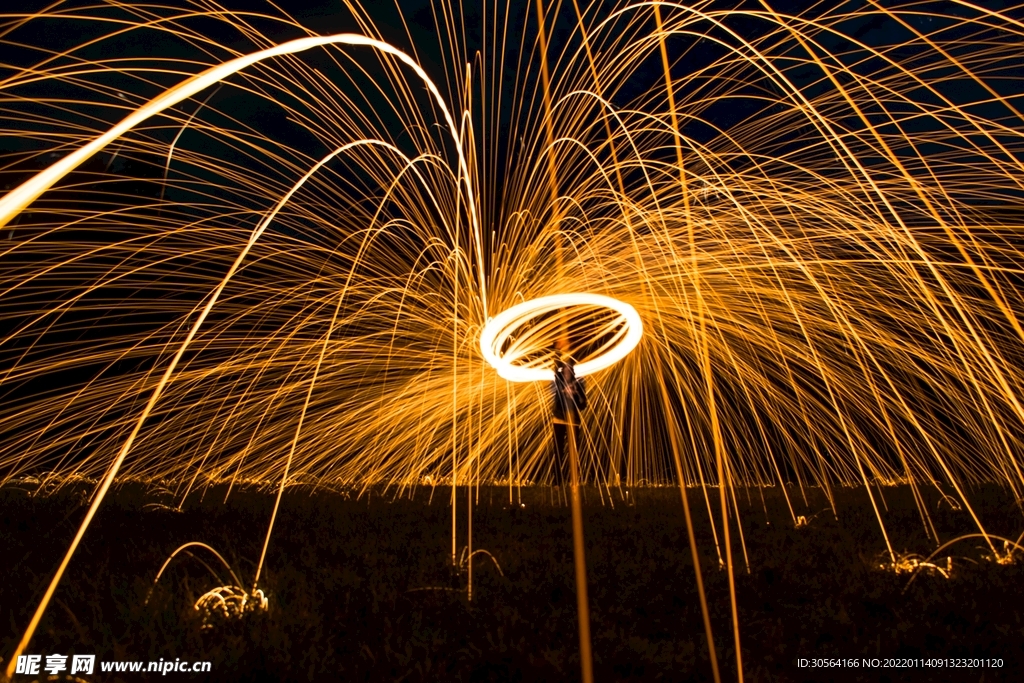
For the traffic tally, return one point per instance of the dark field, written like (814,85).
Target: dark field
(362,589)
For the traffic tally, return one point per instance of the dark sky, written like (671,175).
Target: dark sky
(434,50)
(430,41)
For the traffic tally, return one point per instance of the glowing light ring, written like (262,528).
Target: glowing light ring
(499,328)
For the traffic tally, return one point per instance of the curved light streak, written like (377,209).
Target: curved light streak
(499,328)
(828,282)
(15,201)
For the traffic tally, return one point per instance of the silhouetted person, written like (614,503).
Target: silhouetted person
(570,398)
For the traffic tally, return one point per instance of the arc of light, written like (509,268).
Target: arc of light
(704,352)
(632,235)
(979,273)
(181,131)
(928,262)
(829,135)
(497,329)
(15,201)
(112,472)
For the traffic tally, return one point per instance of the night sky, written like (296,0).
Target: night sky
(416,29)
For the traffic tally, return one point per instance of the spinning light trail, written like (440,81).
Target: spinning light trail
(626,330)
(799,236)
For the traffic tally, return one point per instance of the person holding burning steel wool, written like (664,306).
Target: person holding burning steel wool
(570,397)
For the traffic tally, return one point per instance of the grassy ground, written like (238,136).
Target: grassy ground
(362,588)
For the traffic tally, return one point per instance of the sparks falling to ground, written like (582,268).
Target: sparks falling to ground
(263,253)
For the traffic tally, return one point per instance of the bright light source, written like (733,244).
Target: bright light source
(502,327)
